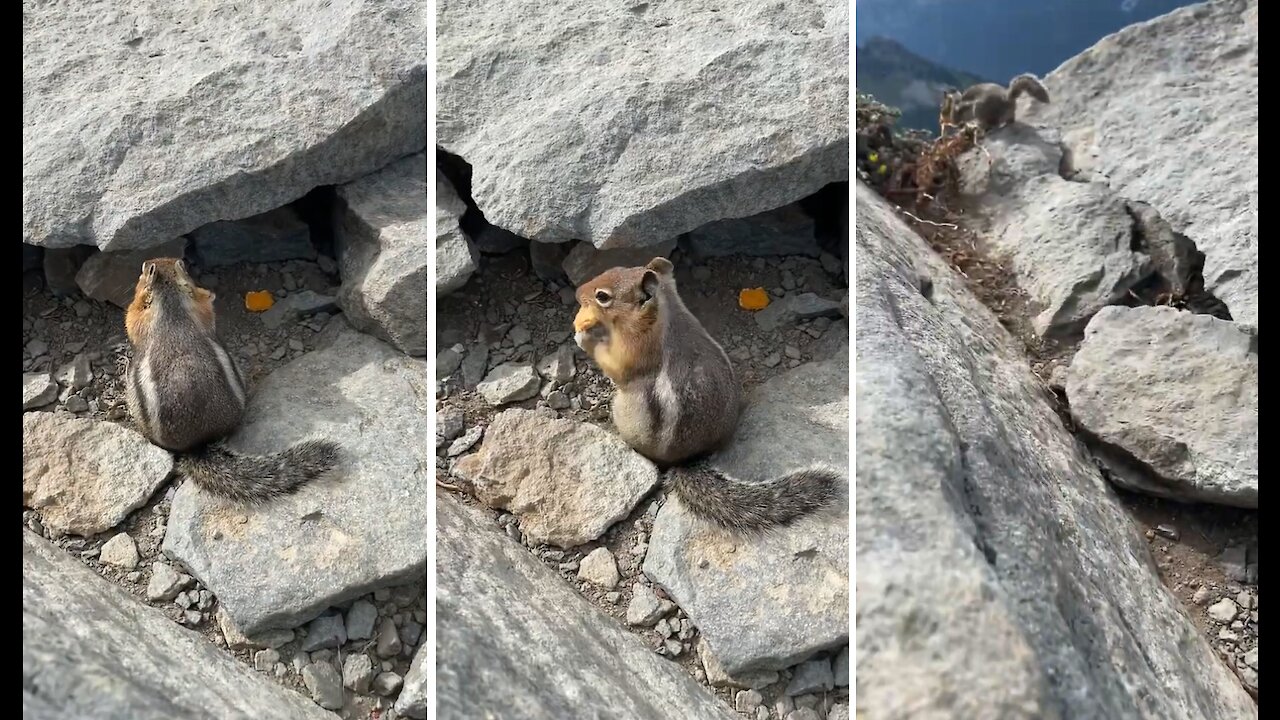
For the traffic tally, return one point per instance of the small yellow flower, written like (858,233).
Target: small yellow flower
(874,157)
(883,170)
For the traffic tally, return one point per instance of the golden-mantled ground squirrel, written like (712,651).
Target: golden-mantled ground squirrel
(185,392)
(990,105)
(678,399)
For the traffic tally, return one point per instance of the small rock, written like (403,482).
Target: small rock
(120,551)
(558,368)
(326,631)
(357,672)
(1245,599)
(519,335)
(76,404)
(1223,611)
(388,639)
(465,443)
(792,308)
(599,568)
(673,647)
(360,620)
(75,374)
(410,633)
(717,677)
(449,423)
(838,712)
(387,683)
(165,583)
(1201,595)
(38,390)
(811,676)
(644,609)
(840,668)
(447,363)
(746,701)
(325,685)
(1249,677)
(1251,658)
(1168,531)
(508,383)
(803,714)
(265,660)
(474,365)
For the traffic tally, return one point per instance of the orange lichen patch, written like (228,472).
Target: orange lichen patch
(259,301)
(753,299)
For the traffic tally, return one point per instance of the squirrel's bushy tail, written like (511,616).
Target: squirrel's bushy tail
(257,478)
(1030,84)
(751,506)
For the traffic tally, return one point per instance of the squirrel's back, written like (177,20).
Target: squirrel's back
(185,392)
(182,385)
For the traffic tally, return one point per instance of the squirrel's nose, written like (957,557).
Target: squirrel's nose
(584,320)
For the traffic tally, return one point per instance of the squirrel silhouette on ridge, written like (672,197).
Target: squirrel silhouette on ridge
(988,104)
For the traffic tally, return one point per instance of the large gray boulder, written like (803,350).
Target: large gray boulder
(1131,106)
(382,232)
(1177,395)
(282,563)
(768,602)
(144,120)
(628,125)
(1071,244)
(997,574)
(514,641)
(91,650)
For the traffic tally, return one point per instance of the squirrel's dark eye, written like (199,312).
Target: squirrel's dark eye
(603,297)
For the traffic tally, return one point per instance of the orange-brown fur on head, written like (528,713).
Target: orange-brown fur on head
(165,275)
(617,320)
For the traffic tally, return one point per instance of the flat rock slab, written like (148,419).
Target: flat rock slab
(145,120)
(86,476)
(514,641)
(626,127)
(283,563)
(997,575)
(383,233)
(1178,394)
(1112,103)
(766,603)
(91,650)
(566,481)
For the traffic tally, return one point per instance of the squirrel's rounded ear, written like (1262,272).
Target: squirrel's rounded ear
(661,265)
(148,269)
(649,285)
